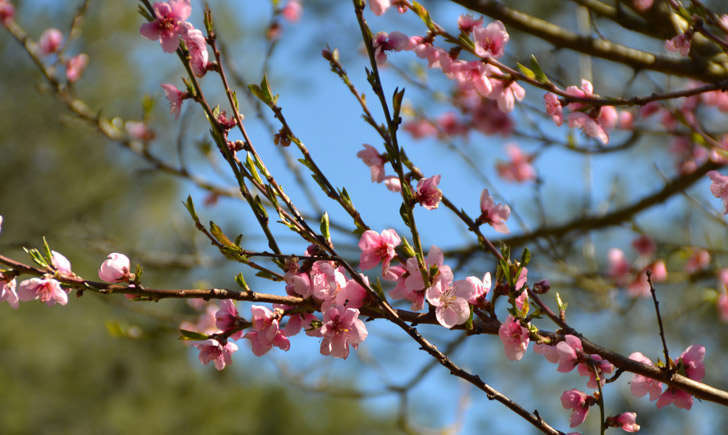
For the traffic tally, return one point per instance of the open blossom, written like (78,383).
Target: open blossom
(641,385)
(679,44)
(507,96)
(379,6)
(490,40)
(213,350)
(292,11)
(519,169)
(226,318)
(602,367)
(576,401)
(553,108)
(514,337)
(175,97)
(568,353)
(466,23)
(428,194)
(474,287)
(627,421)
(197,46)
(326,280)
(169,23)
(266,332)
(719,188)
(450,301)
(115,268)
(7,291)
(699,260)
(206,322)
(410,284)
(341,329)
(493,214)
(588,125)
(50,41)
(46,290)
(298,284)
(392,183)
(377,247)
(75,67)
(371,157)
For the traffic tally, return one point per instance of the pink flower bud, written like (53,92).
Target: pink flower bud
(175,97)
(115,268)
(292,11)
(75,67)
(7,12)
(60,263)
(50,41)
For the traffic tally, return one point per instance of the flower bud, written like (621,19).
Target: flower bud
(115,268)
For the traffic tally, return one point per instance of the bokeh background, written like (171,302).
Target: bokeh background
(108,366)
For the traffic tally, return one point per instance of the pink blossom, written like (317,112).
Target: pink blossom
(716,98)
(519,169)
(392,183)
(692,361)
(450,301)
(175,97)
(618,266)
(506,97)
(428,194)
(139,130)
(722,307)
(640,287)
(197,47)
(47,290)
(213,350)
(568,353)
(326,280)
(576,401)
(371,157)
(379,6)
(679,44)
(60,263)
(493,214)
(553,108)
(699,260)
(410,284)
(376,248)
(548,351)
(466,23)
(420,128)
(341,328)
(352,295)
(226,318)
(7,291)
(7,12)
(115,268)
(602,367)
(625,120)
(644,245)
(474,287)
(298,284)
(490,40)
(50,41)
(627,421)
(679,398)
(719,188)
(398,41)
(588,125)
(266,332)
(75,67)
(607,117)
(292,11)
(514,337)
(650,109)
(170,18)
(586,90)
(642,5)
(469,75)
(641,385)
(450,125)
(206,322)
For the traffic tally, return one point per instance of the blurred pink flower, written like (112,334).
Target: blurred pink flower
(50,41)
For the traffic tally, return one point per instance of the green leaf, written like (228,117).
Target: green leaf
(240,280)
(526,71)
(525,257)
(325,231)
(191,335)
(560,303)
(217,232)
(423,14)
(267,275)
(540,75)
(407,248)
(250,165)
(48,253)
(190,206)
